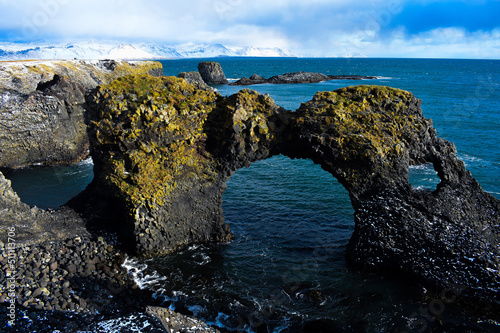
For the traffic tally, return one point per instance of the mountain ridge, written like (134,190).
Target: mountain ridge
(131,51)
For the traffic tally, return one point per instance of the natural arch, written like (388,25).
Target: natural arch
(163,151)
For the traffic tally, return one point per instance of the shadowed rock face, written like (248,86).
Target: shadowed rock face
(163,151)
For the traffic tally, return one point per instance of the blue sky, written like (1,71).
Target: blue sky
(375,28)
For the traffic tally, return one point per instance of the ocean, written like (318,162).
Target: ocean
(291,220)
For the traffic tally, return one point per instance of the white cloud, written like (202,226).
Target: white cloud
(315,27)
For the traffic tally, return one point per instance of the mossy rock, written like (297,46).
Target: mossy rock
(151,130)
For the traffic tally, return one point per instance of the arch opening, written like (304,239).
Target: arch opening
(423,177)
(49,187)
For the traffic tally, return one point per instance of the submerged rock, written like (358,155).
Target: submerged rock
(163,151)
(41,112)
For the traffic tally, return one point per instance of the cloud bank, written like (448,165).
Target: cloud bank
(376,28)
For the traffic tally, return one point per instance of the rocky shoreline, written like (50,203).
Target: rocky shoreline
(75,285)
(42,107)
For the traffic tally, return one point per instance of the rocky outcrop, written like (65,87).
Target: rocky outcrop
(31,225)
(46,126)
(25,76)
(297,77)
(212,72)
(191,77)
(153,176)
(163,151)
(175,322)
(41,107)
(195,79)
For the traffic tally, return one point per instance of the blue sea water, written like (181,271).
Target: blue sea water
(292,220)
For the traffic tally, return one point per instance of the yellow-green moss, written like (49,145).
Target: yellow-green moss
(362,125)
(159,122)
(366,124)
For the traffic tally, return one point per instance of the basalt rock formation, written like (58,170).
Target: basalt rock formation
(41,107)
(297,77)
(163,151)
(212,72)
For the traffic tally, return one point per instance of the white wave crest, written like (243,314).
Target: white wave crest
(143,280)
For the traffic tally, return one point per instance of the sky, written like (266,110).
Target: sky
(318,28)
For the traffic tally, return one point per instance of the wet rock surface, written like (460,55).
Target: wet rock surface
(66,285)
(170,184)
(175,322)
(79,284)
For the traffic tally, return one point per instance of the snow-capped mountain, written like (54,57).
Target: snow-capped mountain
(110,50)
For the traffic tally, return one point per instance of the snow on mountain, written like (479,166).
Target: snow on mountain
(260,52)
(110,50)
(128,52)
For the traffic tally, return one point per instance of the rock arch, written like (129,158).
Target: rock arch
(163,150)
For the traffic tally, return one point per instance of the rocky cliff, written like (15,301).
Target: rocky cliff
(41,112)
(163,151)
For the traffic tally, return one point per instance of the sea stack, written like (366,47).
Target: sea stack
(212,72)
(164,154)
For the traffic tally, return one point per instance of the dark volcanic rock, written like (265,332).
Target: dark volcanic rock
(164,150)
(192,77)
(212,72)
(46,126)
(297,77)
(245,81)
(175,322)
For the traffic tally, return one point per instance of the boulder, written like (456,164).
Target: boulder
(195,79)
(192,77)
(212,72)
(175,322)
